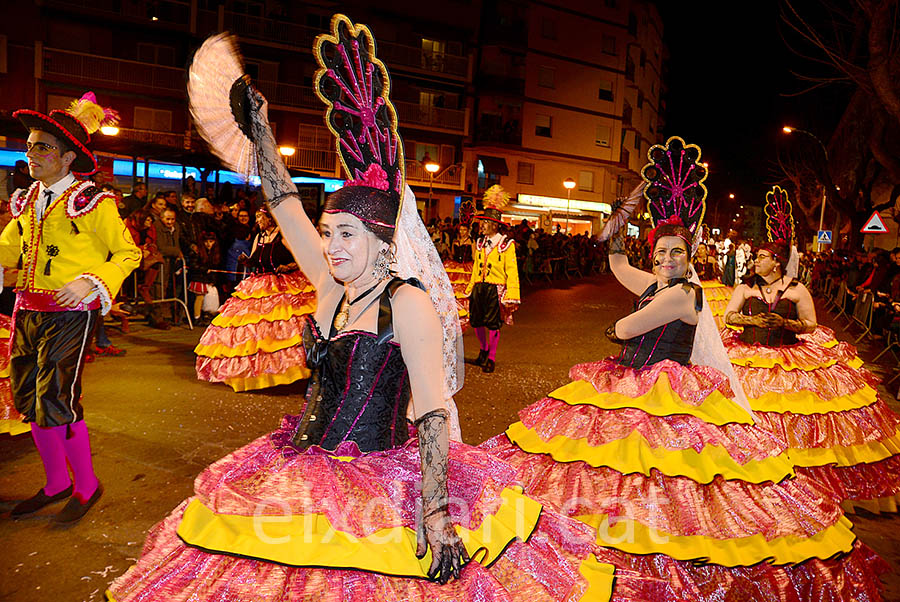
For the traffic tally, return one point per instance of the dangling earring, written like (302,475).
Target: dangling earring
(689,274)
(382,266)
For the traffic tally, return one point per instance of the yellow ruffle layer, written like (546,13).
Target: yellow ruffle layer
(4,371)
(807,402)
(877,506)
(846,455)
(264,381)
(600,578)
(311,540)
(660,400)
(281,312)
(635,538)
(633,455)
(755,361)
(248,348)
(289,290)
(14,427)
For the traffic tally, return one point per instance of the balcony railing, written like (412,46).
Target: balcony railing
(427,60)
(169,12)
(436,117)
(172,139)
(315,150)
(118,73)
(451,178)
(302,36)
(278,93)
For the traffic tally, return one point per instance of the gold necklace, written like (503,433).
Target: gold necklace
(343,316)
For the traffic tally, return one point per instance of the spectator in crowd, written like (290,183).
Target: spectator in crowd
(135,200)
(201,266)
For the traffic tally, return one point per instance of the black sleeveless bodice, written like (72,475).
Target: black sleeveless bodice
(673,341)
(268,256)
(770,337)
(359,389)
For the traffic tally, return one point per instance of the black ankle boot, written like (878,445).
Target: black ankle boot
(488,366)
(482,356)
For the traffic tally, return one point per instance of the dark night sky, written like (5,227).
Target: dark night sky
(728,71)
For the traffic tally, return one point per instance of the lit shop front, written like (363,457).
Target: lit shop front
(570,215)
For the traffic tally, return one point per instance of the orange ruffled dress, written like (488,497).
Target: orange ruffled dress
(10,418)
(679,483)
(255,341)
(459,273)
(813,392)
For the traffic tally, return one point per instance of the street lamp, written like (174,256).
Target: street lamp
(789,130)
(109,130)
(731,196)
(569,183)
(432,168)
(287,151)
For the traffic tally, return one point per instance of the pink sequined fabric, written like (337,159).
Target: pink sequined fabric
(345,489)
(876,473)
(257,331)
(8,409)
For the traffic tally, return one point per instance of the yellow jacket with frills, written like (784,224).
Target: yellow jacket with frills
(81,235)
(496,266)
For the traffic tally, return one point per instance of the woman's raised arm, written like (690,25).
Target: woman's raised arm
(300,235)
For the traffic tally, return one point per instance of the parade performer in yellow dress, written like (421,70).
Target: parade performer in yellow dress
(344,501)
(656,450)
(256,340)
(493,289)
(74,252)
(459,269)
(804,386)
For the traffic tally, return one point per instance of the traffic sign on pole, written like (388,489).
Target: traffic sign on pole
(824,237)
(874,225)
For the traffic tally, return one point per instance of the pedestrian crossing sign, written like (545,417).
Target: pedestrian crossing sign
(824,237)
(874,225)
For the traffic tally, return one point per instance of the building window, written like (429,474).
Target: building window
(548,29)
(640,99)
(586,181)
(546,76)
(156,54)
(526,173)
(602,138)
(606,90)
(157,120)
(632,24)
(643,62)
(637,141)
(543,126)
(608,44)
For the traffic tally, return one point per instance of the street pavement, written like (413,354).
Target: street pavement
(154,428)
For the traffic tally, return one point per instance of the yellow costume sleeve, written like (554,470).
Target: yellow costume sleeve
(10,245)
(512,273)
(125,256)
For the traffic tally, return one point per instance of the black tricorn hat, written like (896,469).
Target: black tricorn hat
(73,127)
(490,214)
(68,129)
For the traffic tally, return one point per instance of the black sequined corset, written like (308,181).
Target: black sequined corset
(673,341)
(269,255)
(770,337)
(359,389)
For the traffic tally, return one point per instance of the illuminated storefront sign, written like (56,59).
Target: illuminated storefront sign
(551,202)
(167,171)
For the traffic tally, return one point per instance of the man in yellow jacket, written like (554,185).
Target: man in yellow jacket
(73,252)
(493,289)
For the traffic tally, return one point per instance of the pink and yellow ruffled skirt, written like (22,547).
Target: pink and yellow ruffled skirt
(678,482)
(717,295)
(269,523)
(256,340)
(816,396)
(459,274)
(10,418)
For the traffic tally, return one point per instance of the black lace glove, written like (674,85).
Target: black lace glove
(273,174)
(434,528)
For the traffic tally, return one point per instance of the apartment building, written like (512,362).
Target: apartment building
(566,90)
(134,54)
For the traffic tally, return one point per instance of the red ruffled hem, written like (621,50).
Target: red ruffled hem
(807,355)
(859,482)
(692,384)
(597,426)
(721,509)
(222,369)
(250,336)
(872,423)
(853,576)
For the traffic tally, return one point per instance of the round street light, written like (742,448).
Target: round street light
(432,167)
(787,129)
(731,196)
(287,151)
(109,130)
(569,183)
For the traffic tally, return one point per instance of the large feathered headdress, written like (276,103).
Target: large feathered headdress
(780,230)
(675,193)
